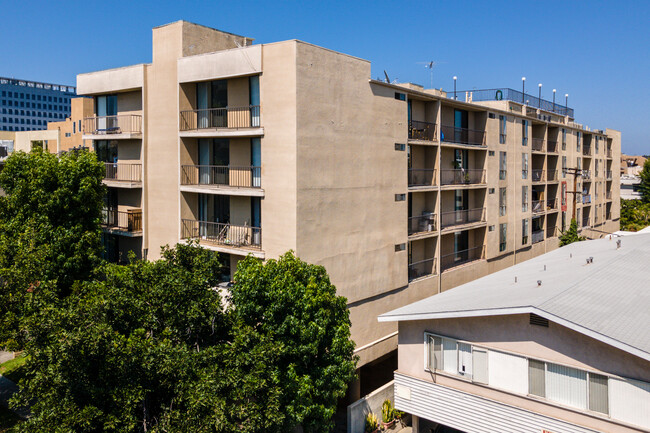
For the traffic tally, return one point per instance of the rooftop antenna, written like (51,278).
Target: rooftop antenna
(386,75)
(430,65)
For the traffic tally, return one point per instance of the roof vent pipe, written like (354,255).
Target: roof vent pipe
(515,279)
(618,244)
(544,267)
(539,283)
(570,255)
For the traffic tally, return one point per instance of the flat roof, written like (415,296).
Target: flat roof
(607,299)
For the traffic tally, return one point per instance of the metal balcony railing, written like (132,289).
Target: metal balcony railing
(460,217)
(608,175)
(551,146)
(537,144)
(222,234)
(422,177)
(586,199)
(551,175)
(538,175)
(450,134)
(586,150)
(458,258)
(129,220)
(229,117)
(247,177)
(539,206)
(107,125)
(510,95)
(123,172)
(551,204)
(422,268)
(585,222)
(422,130)
(462,176)
(425,223)
(586,174)
(538,236)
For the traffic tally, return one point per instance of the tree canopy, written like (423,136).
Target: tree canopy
(635,215)
(644,187)
(571,235)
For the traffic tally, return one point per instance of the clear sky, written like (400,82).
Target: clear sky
(596,51)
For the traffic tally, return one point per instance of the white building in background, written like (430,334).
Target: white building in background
(559,343)
(630,187)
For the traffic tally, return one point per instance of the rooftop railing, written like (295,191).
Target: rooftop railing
(460,217)
(422,268)
(511,95)
(462,176)
(123,172)
(425,223)
(222,234)
(458,258)
(129,221)
(472,137)
(422,130)
(422,177)
(110,125)
(246,176)
(228,117)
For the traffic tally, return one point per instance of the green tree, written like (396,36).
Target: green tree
(571,235)
(635,215)
(50,233)
(644,187)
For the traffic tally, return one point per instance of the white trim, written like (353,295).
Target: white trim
(379,340)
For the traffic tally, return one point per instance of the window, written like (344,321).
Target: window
(74,127)
(67,134)
(524,198)
(502,201)
(400,247)
(524,132)
(524,166)
(563,195)
(524,231)
(398,146)
(400,197)
(536,378)
(503,165)
(502,129)
(503,229)
(564,166)
(597,142)
(598,393)
(400,96)
(578,140)
(563,221)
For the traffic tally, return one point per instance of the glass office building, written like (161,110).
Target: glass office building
(28,105)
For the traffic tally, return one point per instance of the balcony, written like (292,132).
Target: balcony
(609,153)
(424,131)
(127,222)
(538,236)
(458,258)
(462,217)
(538,175)
(421,269)
(471,137)
(586,198)
(586,174)
(608,175)
(586,150)
(422,225)
(537,145)
(585,222)
(608,196)
(123,175)
(234,180)
(551,204)
(551,146)
(223,234)
(422,177)
(539,206)
(121,126)
(227,122)
(552,176)
(462,176)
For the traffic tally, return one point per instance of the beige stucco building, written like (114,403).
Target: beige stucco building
(70,129)
(397,190)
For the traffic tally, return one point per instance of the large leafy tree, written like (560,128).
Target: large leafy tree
(50,217)
(635,215)
(571,235)
(644,187)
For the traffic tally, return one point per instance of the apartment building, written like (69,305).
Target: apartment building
(543,346)
(70,129)
(399,192)
(29,105)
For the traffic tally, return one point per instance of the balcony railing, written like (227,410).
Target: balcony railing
(450,134)
(123,172)
(460,217)
(585,222)
(248,177)
(538,175)
(586,150)
(462,176)
(222,234)
(608,196)
(539,206)
(586,174)
(422,176)
(422,269)
(458,258)
(510,95)
(422,130)
(609,153)
(129,221)
(608,175)
(425,223)
(551,204)
(229,117)
(537,144)
(551,175)
(586,199)
(119,124)
(551,146)
(538,236)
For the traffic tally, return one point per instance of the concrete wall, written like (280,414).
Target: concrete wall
(24,140)
(372,403)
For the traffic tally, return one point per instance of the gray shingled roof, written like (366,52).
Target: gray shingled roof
(608,299)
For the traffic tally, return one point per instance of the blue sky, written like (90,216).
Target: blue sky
(597,51)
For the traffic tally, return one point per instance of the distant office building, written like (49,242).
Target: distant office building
(29,106)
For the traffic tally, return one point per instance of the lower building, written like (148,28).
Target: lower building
(560,343)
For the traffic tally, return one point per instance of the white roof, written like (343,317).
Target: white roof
(608,299)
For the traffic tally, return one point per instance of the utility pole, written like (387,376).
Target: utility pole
(575,172)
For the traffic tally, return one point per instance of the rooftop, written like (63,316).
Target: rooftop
(37,85)
(607,299)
